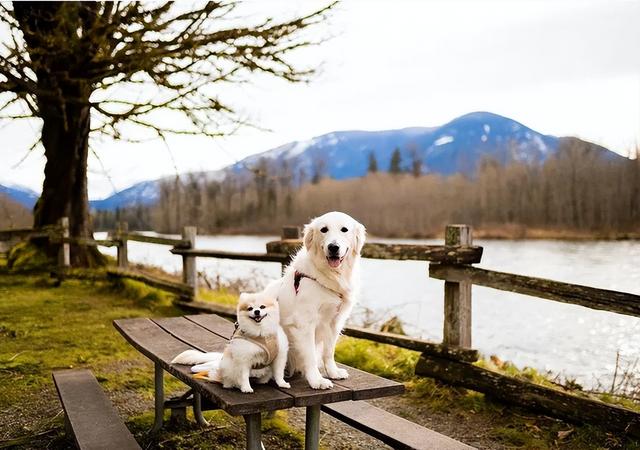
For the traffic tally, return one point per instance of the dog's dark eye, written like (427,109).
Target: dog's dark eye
(324,230)
(344,229)
(249,308)
(261,306)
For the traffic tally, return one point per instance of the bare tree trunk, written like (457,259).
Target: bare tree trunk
(64,192)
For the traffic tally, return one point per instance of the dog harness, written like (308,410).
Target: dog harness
(268,344)
(298,276)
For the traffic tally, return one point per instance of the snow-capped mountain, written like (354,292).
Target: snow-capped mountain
(455,147)
(143,193)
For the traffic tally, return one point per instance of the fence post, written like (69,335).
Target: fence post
(289,232)
(189,271)
(64,251)
(457,295)
(121,235)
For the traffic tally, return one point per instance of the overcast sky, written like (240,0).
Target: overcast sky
(559,67)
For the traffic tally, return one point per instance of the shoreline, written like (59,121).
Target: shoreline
(488,233)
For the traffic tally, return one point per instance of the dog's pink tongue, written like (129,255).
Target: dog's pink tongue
(334,262)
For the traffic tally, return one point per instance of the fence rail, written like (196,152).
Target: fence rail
(450,361)
(402,252)
(589,297)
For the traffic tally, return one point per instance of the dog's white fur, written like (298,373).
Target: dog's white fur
(314,317)
(234,367)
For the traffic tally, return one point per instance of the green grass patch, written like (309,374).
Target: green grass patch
(222,296)
(28,256)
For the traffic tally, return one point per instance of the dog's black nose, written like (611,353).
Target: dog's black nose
(256,312)
(333,249)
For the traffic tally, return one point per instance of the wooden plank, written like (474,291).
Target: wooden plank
(93,420)
(189,266)
(156,239)
(532,396)
(23,233)
(191,333)
(159,346)
(589,297)
(306,396)
(170,286)
(415,252)
(89,241)
(394,431)
(203,253)
(410,343)
(214,323)
(366,386)
(457,296)
(123,245)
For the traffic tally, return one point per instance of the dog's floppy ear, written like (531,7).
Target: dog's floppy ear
(361,236)
(309,233)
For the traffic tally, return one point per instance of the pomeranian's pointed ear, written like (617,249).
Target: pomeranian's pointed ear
(309,233)
(361,236)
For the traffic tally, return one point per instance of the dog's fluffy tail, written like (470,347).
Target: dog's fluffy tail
(191,357)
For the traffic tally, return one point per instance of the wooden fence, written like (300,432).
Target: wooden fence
(451,361)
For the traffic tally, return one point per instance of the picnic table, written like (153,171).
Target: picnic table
(161,339)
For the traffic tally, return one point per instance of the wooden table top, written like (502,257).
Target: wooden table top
(162,339)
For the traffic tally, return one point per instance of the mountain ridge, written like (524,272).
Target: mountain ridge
(454,147)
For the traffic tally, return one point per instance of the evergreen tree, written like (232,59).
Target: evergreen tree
(395,166)
(373,163)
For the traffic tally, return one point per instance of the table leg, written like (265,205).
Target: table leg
(197,410)
(253,423)
(159,397)
(312,428)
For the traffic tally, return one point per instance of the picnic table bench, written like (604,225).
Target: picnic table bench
(162,339)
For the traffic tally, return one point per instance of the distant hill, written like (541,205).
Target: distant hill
(20,194)
(455,147)
(13,214)
(143,193)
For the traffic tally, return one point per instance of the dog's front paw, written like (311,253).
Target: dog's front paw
(283,384)
(338,374)
(321,383)
(246,389)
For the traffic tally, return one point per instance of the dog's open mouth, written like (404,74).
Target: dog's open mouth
(258,319)
(334,261)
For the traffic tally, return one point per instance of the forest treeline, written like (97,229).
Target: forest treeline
(13,215)
(581,189)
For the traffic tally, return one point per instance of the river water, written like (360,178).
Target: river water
(570,340)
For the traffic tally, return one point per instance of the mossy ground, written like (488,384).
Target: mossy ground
(44,328)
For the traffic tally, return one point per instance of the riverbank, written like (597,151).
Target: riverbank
(45,328)
(498,232)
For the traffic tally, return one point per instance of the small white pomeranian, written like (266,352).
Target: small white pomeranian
(258,348)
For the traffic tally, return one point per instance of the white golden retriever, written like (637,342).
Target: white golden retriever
(317,293)
(258,348)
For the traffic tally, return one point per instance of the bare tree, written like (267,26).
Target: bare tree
(75,65)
